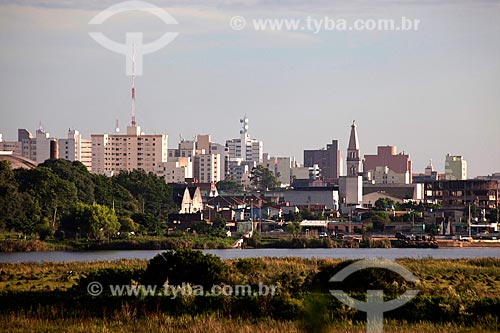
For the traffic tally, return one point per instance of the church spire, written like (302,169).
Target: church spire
(353,153)
(353,140)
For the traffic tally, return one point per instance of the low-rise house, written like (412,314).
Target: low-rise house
(188,198)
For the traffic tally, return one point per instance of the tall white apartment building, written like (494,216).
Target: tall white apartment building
(281,167)
(112,153)
(38,149)
(46,147)
(74,148)
(209,167)
(246,148)
(176,170)
(455,167)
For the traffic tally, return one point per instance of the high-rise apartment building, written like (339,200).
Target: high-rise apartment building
(329,161)
(455,167)
(74,148)
(388,167)
(113,153)
(38,149)
(281,167)
(208,166)
(177,170)
(245,148)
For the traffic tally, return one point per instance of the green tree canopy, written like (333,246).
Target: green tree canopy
(384,204)
(293,228)
(50,196)
(94,221)
(184,265)
(229,185)
(38,200)
(76,173)
(263,179)
(153,194)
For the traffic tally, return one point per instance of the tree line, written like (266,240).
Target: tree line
(63,199)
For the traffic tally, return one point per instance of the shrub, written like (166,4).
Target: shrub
(184,265)
(109,276)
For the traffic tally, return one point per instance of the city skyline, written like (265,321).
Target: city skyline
(367,165)
(429,92)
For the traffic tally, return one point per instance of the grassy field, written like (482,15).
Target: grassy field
(160,323)
(455,296)
(177,241)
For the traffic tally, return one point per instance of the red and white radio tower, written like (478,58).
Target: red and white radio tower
(133,86)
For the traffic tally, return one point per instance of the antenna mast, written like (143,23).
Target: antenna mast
(133,86)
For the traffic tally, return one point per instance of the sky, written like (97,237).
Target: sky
(429,92)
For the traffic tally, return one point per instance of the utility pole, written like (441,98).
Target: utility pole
(412,212)
(470,231)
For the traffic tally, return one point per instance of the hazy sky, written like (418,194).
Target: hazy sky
(429,92)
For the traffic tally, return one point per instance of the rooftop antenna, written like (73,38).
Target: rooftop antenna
(133,86)
(117,127)
(244,126)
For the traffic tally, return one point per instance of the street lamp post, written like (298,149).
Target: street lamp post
(412,212)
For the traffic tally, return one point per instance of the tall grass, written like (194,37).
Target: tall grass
(461,295)
(125,321)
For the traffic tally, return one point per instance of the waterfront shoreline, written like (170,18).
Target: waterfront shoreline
(27,246)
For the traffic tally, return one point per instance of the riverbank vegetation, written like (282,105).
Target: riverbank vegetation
(124,321)
(61,199)
(454,296)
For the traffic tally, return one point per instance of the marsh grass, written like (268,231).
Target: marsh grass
(127,322)
(54,275)
(457,289)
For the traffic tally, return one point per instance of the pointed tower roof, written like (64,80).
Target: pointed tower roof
(353,139)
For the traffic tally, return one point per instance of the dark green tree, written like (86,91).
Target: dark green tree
(229,185)
(294,229)
(94,221)
(152,193)
(111,194)
(149,223)
(11,201)
(184,265)
(384,204)
(219,227)
(50,196)
(263,179)
(76,173)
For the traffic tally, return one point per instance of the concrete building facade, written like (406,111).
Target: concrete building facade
(208,166)
(281,167)
(318,196)
(176,170)
(388,167)
(245,147)
(74,148)
(113,153)
(455,167)
(329,161)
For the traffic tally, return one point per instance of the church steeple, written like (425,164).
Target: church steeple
(353,153)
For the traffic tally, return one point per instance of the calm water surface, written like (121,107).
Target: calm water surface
(448,253)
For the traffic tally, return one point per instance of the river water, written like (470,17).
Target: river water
(444,253)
